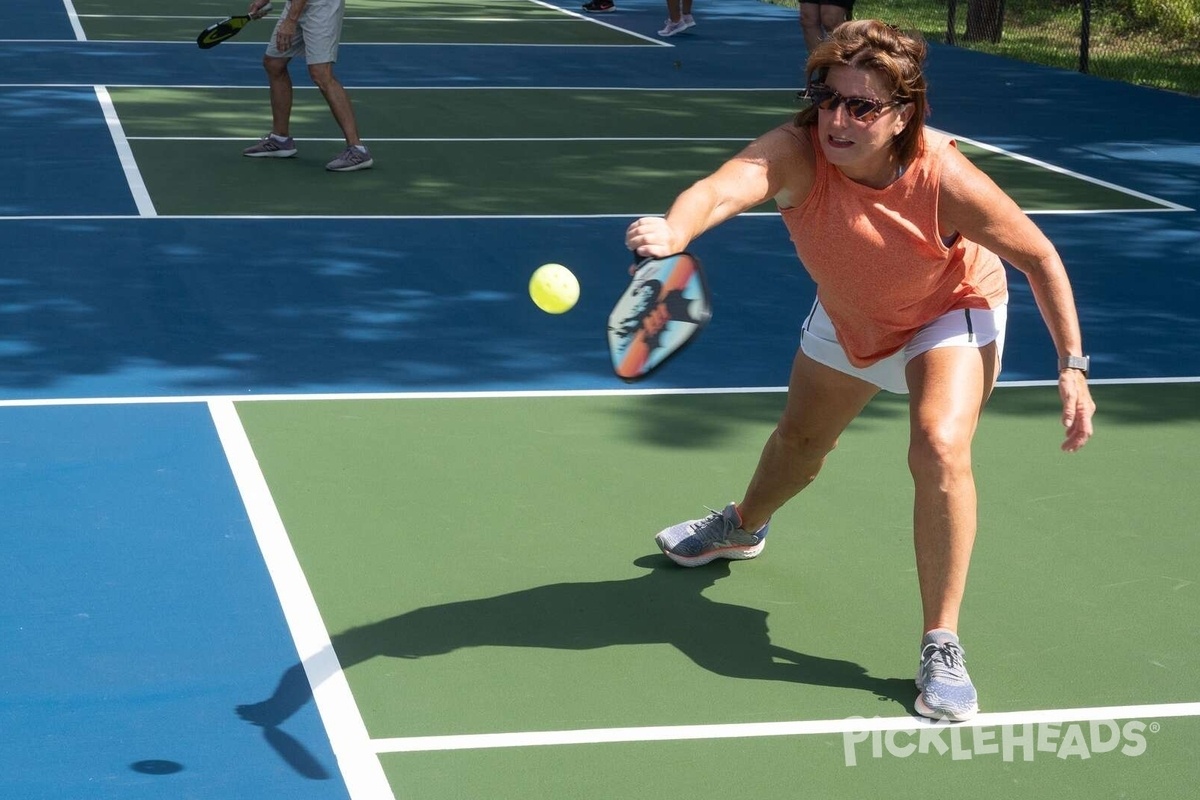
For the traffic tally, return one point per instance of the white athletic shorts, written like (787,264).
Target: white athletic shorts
(317,33)
(973,327)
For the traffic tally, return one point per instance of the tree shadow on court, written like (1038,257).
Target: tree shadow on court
(707,421)
(665,606)
(228,306)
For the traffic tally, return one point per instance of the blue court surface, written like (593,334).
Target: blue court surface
(136,613)
(139,609)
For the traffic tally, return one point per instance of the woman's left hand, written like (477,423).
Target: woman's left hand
(1078,408)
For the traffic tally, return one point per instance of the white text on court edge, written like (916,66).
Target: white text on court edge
(1024,742)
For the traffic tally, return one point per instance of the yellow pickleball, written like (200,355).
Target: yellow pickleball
(554,288)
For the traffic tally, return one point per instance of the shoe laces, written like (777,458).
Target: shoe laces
(716,527)
(943,661)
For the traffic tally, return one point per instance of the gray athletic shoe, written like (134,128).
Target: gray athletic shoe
(270,147)
(946,688)
(350,160)
(699,541)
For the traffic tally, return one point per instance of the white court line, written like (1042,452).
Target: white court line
(358,217)
(1077,175)
(497,394)
(344,725)
(562,18)
(73,16)
(137,186)
(1165,205)
(344,45)
(631,215)
(428,88)
(595,21)
(454,139)
(422,744)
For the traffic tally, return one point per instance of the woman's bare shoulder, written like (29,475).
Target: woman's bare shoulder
(788,150)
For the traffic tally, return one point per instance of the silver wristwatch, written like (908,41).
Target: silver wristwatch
(1080,363)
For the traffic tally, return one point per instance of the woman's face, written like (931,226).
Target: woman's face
(848,142)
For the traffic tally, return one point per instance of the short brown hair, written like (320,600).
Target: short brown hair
(898,58)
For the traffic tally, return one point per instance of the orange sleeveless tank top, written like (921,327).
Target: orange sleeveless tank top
(881,268)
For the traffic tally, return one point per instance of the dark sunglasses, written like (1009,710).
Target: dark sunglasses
(863,109)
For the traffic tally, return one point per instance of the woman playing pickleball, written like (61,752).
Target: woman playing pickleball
(904,238)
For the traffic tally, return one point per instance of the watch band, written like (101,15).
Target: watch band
(1080,363)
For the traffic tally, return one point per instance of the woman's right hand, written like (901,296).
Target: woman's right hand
(652,237)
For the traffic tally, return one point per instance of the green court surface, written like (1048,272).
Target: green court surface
(609,151)
(486,565)
(563,31)
(467,114)
(398,9)
(456,22)
(787,768)
(483,564)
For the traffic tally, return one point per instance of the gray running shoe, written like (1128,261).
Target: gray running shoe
(350,160)
(270,147)
(699,541)
(946,688)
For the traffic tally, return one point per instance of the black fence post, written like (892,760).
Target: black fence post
(1085,35)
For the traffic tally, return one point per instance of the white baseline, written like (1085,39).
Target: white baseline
(414,744)
(348,736)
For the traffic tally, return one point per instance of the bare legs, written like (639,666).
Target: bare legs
(949,387)
(280,83)
(821,403)
(337,99)
(817,20)
(677,9)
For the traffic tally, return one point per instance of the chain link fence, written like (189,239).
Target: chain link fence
(1147,42)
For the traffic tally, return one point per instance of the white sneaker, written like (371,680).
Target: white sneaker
(688,20)
(673,28)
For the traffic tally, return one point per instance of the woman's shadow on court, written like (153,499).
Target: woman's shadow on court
(665,606)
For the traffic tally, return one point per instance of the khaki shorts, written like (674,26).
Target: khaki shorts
(973,327)
(317,34)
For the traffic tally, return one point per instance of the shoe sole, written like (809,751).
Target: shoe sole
(354,168)
(736,553)
(949,716)
(272,154)
(676,32)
